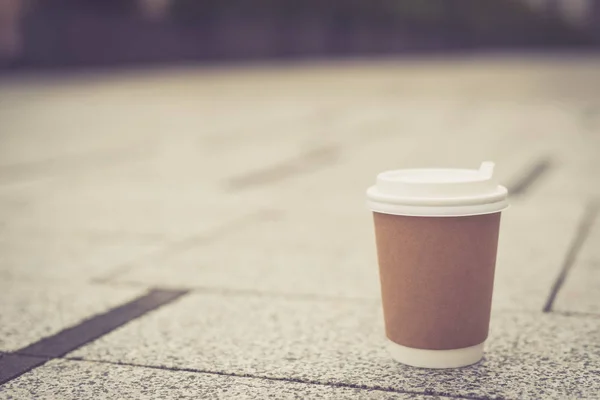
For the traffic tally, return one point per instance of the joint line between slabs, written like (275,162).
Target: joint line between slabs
(14,364)
(583,231)
(271,378)
(524,183)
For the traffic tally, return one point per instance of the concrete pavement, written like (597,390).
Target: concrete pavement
(244,187)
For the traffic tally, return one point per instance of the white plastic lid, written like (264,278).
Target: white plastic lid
(438,192)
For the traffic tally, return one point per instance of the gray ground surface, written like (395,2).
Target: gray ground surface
(246,186)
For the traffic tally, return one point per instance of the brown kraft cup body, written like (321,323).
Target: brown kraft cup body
(437,276)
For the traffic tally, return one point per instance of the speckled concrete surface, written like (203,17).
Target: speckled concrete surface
(85,380)
(532,250)
(581,290)
(91,228)
(299,254)
(120,206)
(62,257)
(304,253)
(342,342)
(31,310)
(576,162)
(248,185)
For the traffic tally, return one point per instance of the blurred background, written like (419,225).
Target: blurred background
(53,33)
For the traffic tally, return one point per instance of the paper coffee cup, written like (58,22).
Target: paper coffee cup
(437,235)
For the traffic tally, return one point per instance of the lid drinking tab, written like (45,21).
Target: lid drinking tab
(487,169)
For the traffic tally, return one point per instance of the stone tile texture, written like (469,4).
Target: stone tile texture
(84,380)
(68,257)
(31,311)
(306,252)
(581,289)
(529,355)
(248,185)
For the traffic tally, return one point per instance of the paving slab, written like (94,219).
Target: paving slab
(152,192)
(291,254)
(464,134)
(151,169)
(56,111)
(534,242)
(306,251)
(33,310)
(529,355)
(321,250)
(192,137)
(576,164)
(9,205)
(581,289)
(160,209)
(85,380)
(87,229)
(61,257)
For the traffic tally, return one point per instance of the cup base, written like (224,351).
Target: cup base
(438,359)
